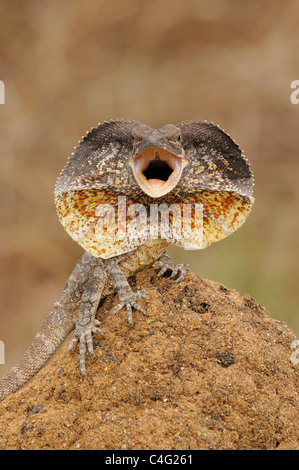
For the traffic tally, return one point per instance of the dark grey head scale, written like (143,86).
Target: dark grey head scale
(216,158)
(142,131)
(101,152)
(167,137)
(102,158)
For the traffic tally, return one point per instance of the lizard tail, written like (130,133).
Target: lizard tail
(59,322)
(39,352)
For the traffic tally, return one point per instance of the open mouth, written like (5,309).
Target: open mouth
(157,171)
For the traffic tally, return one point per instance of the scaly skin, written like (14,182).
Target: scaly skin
(192,163)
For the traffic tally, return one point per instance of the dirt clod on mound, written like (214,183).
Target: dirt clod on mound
(204,368)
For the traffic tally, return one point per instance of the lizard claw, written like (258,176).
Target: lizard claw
(83,335)
(167,265)
(129,300)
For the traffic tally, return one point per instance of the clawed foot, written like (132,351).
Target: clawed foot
(83,334)
(128,299)
(167,265)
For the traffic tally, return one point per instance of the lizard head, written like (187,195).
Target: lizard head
(158,158)
(193,164)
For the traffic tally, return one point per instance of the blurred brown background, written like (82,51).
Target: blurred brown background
(69,65)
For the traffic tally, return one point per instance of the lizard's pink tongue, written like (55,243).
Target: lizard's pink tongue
(156,184)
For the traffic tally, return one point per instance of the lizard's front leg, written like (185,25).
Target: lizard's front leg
(164,263)
(126,295)
(86,323)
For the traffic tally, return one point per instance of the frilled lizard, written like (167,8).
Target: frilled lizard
(194,163)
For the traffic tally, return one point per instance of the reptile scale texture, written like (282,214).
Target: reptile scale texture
(118,173)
